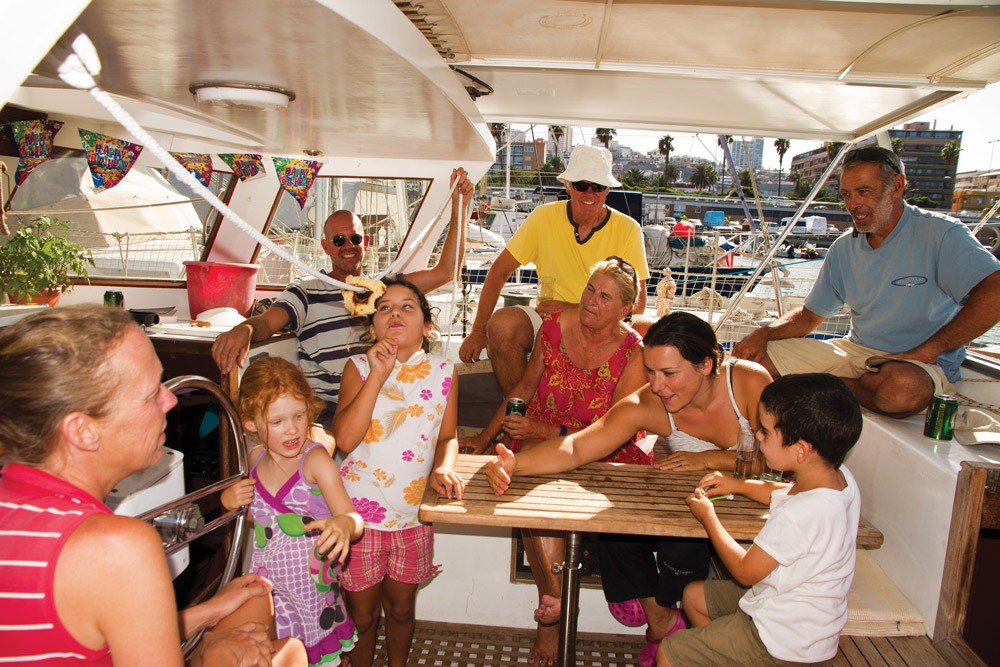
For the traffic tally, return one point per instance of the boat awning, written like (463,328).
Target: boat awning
(834,70)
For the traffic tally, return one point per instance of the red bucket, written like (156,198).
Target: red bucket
(220,285)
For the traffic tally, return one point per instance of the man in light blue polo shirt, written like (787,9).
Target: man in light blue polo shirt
(919,286)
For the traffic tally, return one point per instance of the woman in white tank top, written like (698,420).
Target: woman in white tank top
(701,411)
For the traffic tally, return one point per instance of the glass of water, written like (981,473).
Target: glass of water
(746,455)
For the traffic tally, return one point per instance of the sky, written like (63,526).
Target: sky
(978,116)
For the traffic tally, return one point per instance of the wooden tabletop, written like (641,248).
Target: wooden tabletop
(599,498)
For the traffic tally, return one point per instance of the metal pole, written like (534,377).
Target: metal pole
(570,600)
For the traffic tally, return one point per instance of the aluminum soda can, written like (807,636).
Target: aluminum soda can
(114,299)
(940,420)
(517,406)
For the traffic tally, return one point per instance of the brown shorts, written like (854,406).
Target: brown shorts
(730,639)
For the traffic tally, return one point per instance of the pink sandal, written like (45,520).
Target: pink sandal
(647,656)
(629,613)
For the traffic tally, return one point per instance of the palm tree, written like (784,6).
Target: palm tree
(554,166)
(605,135)
(557,133)
(782,146)
(746,180)
(671,174)
(832,148)
(634,179)
(897,145)
(704,176)
(498,130)
(719,142)
(664,147)
(950,152)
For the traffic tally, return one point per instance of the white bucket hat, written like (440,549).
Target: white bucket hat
(589,163)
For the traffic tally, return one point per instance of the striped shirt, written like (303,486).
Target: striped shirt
(327,333)
(38,513)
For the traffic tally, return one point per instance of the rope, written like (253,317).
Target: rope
(965,400)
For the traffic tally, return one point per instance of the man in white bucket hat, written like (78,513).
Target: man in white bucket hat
(563,240)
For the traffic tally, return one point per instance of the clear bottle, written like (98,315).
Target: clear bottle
(746,455)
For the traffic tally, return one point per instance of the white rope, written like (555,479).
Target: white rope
(407,252)
(79,69)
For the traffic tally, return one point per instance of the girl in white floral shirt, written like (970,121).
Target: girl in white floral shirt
(396,421)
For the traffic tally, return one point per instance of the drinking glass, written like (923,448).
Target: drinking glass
(746,454)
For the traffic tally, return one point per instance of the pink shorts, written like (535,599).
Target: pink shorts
(402,555)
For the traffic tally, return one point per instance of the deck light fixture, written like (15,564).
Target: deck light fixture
(241,95)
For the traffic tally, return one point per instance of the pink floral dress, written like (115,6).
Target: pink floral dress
(575,397)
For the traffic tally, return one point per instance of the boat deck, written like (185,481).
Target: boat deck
(459,645)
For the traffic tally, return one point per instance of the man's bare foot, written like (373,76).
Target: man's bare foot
(546,648)
(548,610)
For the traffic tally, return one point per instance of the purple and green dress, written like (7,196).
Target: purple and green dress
(307,599)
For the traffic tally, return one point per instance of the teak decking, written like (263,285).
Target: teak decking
(457,645)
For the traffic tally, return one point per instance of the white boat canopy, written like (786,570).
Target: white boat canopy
(367,80)
(833,70)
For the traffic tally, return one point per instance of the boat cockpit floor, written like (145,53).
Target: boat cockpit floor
(459,645)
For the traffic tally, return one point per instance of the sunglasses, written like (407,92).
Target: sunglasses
(339,240)
(871,155)
(625,267)
(583,186)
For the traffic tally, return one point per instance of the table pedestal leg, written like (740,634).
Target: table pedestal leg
(570,601)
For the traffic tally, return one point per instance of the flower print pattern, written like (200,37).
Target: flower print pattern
(446,386)
(370,510)
(387,476)
(408,374)
(414,493)
(577,397)
(375,432)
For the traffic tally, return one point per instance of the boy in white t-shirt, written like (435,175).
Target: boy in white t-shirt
(801,564)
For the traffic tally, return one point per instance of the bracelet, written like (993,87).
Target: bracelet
(562,430)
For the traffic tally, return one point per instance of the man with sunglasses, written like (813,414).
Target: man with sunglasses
(563,240)
(315,311)
(919,285)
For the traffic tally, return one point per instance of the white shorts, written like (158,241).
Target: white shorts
(840,357)
(534,317)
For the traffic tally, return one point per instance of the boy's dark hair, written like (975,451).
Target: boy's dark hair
(817,408)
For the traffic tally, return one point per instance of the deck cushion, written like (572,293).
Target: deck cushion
(875,607)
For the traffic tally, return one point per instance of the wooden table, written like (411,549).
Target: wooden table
(598,498)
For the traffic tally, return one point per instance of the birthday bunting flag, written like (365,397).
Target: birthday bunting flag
(199,164)
(296,176)
(109,158)
(244,165)
(34,143)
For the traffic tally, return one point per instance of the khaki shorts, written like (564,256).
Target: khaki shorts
(730,639)
(840,357)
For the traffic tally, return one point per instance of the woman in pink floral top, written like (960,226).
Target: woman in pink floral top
(396,421)
(583,361)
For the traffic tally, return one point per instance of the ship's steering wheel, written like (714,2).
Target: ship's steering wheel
(179,522)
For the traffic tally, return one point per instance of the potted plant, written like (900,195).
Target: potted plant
(36,262)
